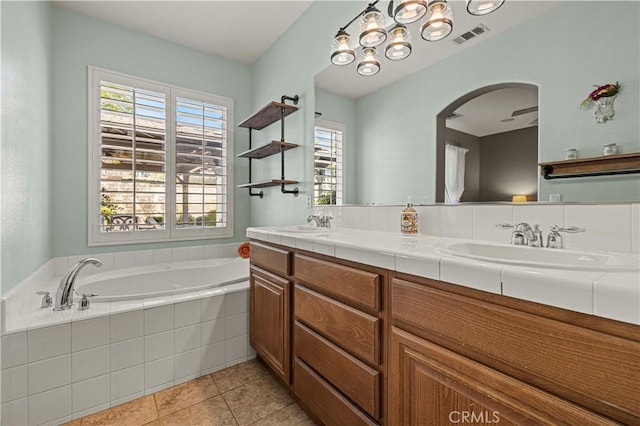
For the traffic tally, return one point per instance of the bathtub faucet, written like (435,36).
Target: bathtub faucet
(64,295)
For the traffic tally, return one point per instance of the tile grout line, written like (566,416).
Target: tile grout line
(236,387)
(225,400)
(155,405)
(230,410)
(188,406)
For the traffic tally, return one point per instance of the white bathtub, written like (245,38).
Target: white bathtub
(126,348)
(164,279)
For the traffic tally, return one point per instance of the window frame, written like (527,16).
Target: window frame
(338,127)
(171,231)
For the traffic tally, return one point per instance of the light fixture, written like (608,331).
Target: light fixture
(369,65)
(399,47)
(483,7)
(372,31)
(519,199)
(439,23)
(341,53)
(409,11)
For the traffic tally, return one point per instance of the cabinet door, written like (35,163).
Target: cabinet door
(270,319)
(430,385)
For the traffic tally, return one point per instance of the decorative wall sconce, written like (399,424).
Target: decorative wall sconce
(603,97)
(374,31)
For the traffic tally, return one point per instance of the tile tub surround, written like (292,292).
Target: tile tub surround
(614,295)
(64,365)
(61,372)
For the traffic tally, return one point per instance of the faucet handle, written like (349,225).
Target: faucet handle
(84,302)
(569,229)
(505,226)
(47,301)
(554,239)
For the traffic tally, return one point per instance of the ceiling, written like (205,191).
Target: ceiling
(493,112)
(239,30)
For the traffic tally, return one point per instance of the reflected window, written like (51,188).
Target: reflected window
(328,182)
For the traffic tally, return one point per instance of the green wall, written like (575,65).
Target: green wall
(289,67)
(25,152)
(79,41)
(565,52)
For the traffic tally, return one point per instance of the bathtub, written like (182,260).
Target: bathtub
(164,279)
(150,327)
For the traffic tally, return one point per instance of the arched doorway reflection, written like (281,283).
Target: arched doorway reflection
(498,125)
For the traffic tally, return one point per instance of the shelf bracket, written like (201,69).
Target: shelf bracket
(293,99)
(251,193)
(293,191)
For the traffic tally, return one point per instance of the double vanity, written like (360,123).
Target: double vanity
(370,327)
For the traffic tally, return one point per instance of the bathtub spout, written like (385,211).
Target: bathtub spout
(64,296)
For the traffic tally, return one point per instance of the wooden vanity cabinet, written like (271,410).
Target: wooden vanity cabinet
(270,284)
(338,356)
(359,345)
(459,354)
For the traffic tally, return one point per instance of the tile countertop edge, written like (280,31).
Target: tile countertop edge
(580,291)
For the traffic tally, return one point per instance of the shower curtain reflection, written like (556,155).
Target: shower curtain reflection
(454,160)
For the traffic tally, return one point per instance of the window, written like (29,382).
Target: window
(159,161)
(327,162)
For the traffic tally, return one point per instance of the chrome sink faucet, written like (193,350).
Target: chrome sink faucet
(64,295)
(523,234)
(320,221)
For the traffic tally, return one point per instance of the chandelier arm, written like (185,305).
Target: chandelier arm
(390,9)
(358,15)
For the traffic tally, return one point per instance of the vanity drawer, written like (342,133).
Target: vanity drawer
(325,401)
(271,258)
(353,285)
(355,379)
(353,330)
(595,370)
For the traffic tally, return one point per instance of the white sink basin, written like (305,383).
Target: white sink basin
(543,257)
(304,229)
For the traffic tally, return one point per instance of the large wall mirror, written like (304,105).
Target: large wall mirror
(399,122)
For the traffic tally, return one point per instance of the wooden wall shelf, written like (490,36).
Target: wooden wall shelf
(268,115)
(594,166)
(273,147)
(268,183)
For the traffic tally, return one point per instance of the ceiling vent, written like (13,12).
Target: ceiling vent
(474,32)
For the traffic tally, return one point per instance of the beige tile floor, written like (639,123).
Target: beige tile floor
(244,394)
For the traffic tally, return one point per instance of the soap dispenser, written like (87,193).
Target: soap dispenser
(409,219)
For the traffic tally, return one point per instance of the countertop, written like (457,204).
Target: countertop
(614,295)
